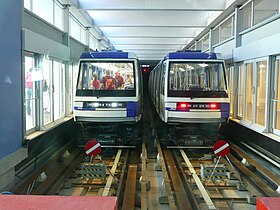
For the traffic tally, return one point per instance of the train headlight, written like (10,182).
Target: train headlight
(114,105)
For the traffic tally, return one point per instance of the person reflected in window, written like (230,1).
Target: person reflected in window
(28,87)
(95,82)
(119,81)
(108,81)
(46,96)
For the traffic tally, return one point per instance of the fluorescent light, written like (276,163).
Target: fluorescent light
(262,66)
(96,104)
(181,69)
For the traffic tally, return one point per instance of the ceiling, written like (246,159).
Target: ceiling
(152,28)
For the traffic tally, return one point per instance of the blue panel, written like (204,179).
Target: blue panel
(105,54)
(225,114)
(11,109)
(131,109)
(224,107)
(85,109)
(191,55)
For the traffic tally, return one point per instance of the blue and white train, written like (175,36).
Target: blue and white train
(190,87)
(109,91)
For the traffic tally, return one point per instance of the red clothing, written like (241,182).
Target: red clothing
(108,83)
(95,84)
(120,81)
(28,80)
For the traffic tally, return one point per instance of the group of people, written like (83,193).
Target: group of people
(108,82)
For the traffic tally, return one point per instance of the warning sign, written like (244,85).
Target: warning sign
(221,148)
(93,148)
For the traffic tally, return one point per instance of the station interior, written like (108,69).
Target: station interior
(42,145)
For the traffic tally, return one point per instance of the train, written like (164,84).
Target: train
(189,89)
(109,95)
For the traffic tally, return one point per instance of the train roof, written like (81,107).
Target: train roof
(193,55)
(107,54)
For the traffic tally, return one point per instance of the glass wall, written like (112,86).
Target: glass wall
(257,11)
(240,91)
(44,90)
(49,10)
(276,98)
(231,87)
(260,92)
(47,91)
(227,29)
(30,110)
(248,91)
(58,89)
(44,9)
(264,9)
(247,16)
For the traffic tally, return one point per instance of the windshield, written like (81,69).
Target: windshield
(97,78)
(196,77)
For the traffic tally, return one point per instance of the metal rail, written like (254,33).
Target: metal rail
(200,186)
(260,167)
(166,179)
(253,177)
(179,189)
(113,170)
(144,178)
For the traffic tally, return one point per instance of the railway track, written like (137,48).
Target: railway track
(154,176)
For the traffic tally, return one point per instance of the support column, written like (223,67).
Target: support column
(211,40)
(11,90)
(66,41)
(238,27)
(66,26)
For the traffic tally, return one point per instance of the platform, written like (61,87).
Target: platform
(34,202)
(271,203)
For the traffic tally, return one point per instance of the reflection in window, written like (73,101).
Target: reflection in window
(196,76)
(261,92)
(249,91)
(47,92)
(29,92)
(106,76)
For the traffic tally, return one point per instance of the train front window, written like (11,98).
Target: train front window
(197,79)
(106,78)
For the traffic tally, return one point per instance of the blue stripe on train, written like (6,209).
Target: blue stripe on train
(131,109)
(86,109)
